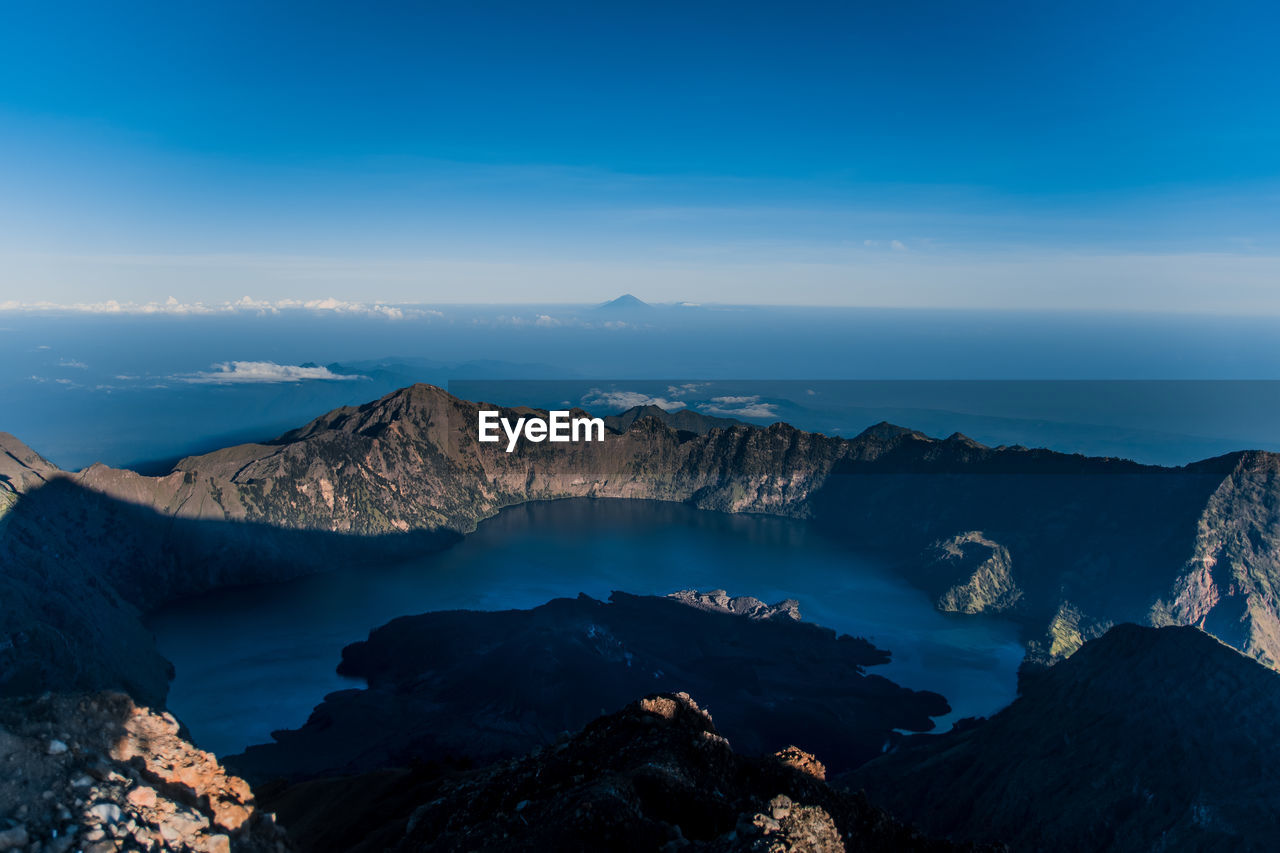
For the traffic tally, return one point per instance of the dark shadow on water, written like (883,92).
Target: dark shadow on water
(79,569)
(490,685)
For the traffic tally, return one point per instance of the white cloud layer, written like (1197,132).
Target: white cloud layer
(244,305)
(623,400)
(249,372)
(686,389)
(740,407)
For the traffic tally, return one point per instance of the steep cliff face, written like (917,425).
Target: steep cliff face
(988,585)
(1068,545)
(1144,739)
(1231,585)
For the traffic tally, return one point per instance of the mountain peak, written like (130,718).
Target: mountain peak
(961,438)
(625,302)
(885,431)
(679,419)
(20,466)
(11,444)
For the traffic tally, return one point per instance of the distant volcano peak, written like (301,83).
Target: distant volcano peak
(625,302)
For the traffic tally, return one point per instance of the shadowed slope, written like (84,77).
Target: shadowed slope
(1144,739)
(654,774)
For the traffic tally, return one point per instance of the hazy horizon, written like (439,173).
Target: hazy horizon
(332,306)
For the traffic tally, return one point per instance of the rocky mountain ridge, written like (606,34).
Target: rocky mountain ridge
(1073,544)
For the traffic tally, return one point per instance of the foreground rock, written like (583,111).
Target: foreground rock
(477,686)
(655,776)
(98,773)
(1145,739)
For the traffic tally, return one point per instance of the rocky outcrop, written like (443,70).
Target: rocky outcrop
(987,569)
(656,775)
(1069,629)
(468,686)
(719,601)
(1231,584)
(97,773)
(1144,739)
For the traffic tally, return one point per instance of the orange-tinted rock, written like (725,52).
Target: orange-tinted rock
(127,776)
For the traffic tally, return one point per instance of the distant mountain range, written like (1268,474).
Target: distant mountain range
(679,419)
(1064,545)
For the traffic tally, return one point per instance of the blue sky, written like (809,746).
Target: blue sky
(1022,154)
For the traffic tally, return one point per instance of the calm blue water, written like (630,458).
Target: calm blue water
(251,660)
